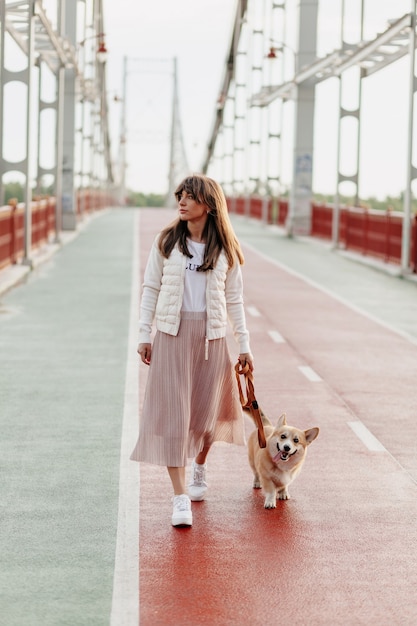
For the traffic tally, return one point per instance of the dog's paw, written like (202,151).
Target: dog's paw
(256,483)
(283,495)
(270,502)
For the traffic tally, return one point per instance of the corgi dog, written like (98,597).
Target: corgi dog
(275,467)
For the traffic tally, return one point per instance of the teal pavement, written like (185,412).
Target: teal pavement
(63,344)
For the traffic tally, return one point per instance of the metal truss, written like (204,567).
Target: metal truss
(178,163)
(45,47)
(398,40)
(50,47)
(53,49)
(227,79)
(370,56)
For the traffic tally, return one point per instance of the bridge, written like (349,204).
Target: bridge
(248,146)
(330,297)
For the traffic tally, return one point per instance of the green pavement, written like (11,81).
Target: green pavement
(63,345)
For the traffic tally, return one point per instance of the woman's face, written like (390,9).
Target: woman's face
(190,210)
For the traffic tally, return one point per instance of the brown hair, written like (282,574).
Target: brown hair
(218,232)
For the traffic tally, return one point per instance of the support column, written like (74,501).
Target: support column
(299,216)
(27,245)
(172,174)
(59,152)
(344,113)
(411,170)
(69,213)
(2,85)
(122,146)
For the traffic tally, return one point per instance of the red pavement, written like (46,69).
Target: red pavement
(343,549)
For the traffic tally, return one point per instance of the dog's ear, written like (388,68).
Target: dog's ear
(282,420)
(311,434)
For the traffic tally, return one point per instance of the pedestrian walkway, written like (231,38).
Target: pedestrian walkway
(64,347)
(334,345)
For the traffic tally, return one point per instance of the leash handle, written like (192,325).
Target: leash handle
(250,402)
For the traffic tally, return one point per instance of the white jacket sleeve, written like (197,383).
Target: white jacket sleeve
(235,309)
(150,292)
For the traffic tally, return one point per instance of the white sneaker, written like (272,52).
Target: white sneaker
(197,486)
(181,513)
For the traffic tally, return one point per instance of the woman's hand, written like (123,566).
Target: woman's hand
(145,351)
(246,358)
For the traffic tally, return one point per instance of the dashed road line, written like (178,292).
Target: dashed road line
(275,336)
(252,310)
(368,439)
(310,374)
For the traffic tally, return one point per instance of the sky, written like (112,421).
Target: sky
(150,35)
(198,34)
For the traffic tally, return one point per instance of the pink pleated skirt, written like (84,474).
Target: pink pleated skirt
(189,401)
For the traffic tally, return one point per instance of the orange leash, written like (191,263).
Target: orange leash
(250,402)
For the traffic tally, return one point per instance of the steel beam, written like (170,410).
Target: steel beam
(337,62)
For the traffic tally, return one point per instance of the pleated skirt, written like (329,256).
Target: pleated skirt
(189,401)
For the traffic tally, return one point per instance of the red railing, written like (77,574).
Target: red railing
(273,210)
(12,226)
(89,200)
(321,221)
(239,206)
(43,221)
(8,235)
(413,254)
(365,231)
(282,212)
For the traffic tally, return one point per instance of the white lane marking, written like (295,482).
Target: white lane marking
(275,336)
(367,438)
(252,310)
(309,373)
(332,294)
(125,601)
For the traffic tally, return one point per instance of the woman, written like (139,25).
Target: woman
(192,284)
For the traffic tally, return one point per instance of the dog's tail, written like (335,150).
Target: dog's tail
(265,420)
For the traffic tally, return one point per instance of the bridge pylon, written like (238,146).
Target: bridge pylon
(178,164)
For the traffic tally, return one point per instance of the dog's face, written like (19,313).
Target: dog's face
(287,445)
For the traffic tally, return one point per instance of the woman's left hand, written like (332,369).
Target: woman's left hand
(246,358)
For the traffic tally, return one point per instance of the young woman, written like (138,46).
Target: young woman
(192,285)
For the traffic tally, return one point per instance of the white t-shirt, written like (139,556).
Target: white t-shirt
(195,282)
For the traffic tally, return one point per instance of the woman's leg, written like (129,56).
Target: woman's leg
(177,476)
(201,456)
(198,485)
(181,513)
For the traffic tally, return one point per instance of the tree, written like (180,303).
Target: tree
(13,190)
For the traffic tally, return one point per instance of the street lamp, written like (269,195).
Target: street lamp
(275,49)
(101,52)
(272,54)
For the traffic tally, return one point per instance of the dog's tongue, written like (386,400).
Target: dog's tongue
(280,456)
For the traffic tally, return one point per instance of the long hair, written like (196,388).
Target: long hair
(218,231)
